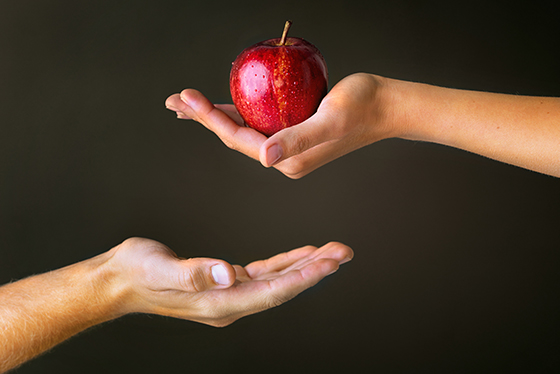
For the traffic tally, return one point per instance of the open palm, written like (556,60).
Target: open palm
(183,288)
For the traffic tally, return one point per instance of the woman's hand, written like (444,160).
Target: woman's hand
(352,115)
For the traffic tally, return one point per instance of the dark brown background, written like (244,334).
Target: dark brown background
(457,256)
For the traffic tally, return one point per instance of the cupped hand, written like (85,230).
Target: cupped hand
(212,291)
(352,115)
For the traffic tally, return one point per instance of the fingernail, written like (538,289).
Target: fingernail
(220,275)
(273,154)
(347,259)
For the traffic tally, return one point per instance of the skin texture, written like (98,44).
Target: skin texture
(363,108)
(145,276)
(277,86)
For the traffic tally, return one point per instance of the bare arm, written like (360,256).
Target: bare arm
(144,276)
(364,108)
(518,130)
(41,311)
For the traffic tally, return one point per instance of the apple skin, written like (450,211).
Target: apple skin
(276,86)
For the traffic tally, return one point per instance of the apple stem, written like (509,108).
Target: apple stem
(285,33)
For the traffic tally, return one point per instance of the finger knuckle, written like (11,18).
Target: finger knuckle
(294,167)
(275,300)
(230,144)
(298,175)
(224,322)
(133,242)
(193,279)
(301,144)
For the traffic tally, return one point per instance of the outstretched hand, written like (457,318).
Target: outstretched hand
(145,276)
(351,116)
(212,291)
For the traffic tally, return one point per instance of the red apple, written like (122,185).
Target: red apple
(278,83)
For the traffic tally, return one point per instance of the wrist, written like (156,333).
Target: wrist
(390,105)
(398,106)
(111,291)
(416,110)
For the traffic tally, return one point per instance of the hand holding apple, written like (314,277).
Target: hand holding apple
(339,125)
(278,83)
(353,114)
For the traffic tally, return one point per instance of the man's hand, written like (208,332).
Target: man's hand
(212,291)
(144,276)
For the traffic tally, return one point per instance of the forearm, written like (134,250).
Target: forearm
(519,130)
(39,312)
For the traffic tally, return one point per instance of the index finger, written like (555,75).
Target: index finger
(243,139)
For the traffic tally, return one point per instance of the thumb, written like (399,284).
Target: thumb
(297,139)
(203,274)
